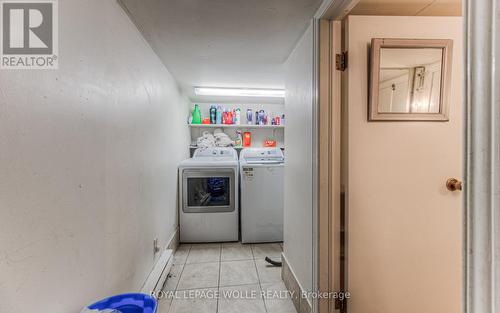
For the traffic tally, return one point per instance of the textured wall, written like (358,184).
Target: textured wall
(88,159)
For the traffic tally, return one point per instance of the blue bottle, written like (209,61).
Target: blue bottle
(213,115)
(249,116)
(262,116)
(218,118)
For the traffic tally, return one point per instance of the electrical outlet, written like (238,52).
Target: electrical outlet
(156,248)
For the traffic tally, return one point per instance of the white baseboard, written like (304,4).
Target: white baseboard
(173,242)
(159,274)
(293,285)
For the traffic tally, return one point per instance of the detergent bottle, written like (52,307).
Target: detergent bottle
(196,115)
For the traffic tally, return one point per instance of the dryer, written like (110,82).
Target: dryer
(208,192)
(262,186)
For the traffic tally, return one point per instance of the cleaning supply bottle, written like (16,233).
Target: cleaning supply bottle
(249,116)
(213,114)
(247,139)
(196,115)
(218,118)
(238,143)
(237,117)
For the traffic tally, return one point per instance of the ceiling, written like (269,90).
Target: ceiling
(223,43)
(409,7)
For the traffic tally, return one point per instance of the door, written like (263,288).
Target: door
(404,228)
(208,190)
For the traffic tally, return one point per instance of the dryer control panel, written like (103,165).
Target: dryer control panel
(216,152)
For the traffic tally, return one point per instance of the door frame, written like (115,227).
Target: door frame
(481,278)
(482,198)
(327,151)
(327,145)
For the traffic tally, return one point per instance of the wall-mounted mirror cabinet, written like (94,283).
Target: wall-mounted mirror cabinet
(410,79)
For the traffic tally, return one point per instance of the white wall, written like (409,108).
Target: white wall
(88,158)
(299,157)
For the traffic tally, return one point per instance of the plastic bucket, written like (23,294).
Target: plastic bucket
(128,303)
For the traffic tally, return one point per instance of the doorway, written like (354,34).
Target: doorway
(403,228)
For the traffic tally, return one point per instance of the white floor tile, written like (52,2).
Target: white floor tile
(272,250)
(197,276)
(235,273)
(236,252)
(267,272)
(195,301)
(204,253)
(241,299)
(173,277)
(164,305)
(235,270)
(181,254)
(280,306)
(277,298)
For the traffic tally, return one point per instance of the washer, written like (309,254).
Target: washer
(261,181)
(208,187)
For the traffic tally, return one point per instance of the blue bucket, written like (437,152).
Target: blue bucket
(127,303)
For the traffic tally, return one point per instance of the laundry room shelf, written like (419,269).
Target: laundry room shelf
(237,148)
(234,126)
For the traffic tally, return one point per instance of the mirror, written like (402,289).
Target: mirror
(409,79)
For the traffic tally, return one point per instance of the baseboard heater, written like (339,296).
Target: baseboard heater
(158,275)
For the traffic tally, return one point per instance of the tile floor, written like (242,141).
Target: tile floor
(225,278)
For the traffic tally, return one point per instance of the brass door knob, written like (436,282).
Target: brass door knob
(453,184)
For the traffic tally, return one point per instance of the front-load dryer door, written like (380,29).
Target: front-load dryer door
(208,190)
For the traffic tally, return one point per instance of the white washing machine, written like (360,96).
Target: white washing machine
(261,181)
(208,193)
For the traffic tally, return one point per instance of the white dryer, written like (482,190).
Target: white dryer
(208,192)
(261,181)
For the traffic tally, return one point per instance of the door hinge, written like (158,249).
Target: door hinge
(341,61)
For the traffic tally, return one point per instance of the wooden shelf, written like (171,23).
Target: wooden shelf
(234,126)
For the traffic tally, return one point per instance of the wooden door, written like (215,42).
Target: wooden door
(404,228)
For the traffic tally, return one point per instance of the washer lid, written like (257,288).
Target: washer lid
(262,155)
